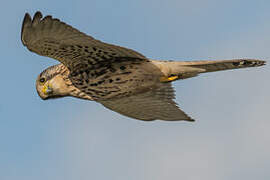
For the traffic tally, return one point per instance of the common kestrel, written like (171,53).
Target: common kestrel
(121,79)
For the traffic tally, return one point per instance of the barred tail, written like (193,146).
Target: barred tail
(174,70)
(221,65)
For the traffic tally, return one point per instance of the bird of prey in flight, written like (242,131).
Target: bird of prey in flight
(119,78)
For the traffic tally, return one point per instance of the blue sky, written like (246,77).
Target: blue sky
(75,139)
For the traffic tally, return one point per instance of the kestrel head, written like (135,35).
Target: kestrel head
(52,83)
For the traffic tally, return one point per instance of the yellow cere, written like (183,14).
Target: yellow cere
(44,89)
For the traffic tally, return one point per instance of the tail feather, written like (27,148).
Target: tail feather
(221,65)
(187,69)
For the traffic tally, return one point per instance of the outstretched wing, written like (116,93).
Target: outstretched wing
(154,104)
(50,37)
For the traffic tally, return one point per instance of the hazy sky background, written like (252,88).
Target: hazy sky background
(74,139)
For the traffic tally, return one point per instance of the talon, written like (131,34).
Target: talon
(168,79)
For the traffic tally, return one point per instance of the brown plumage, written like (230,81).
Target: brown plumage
(121,79)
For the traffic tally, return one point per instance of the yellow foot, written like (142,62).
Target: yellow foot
(168,79)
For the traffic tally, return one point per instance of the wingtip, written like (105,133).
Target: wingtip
(38,15)
(189,119)
(27,15)
(27,21)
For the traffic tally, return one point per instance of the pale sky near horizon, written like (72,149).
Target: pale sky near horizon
(74,139)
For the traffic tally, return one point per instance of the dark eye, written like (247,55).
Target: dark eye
(42,80)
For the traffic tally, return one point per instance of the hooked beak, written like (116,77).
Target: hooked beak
(47,89)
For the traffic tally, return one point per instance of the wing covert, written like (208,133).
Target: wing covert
(50,37)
